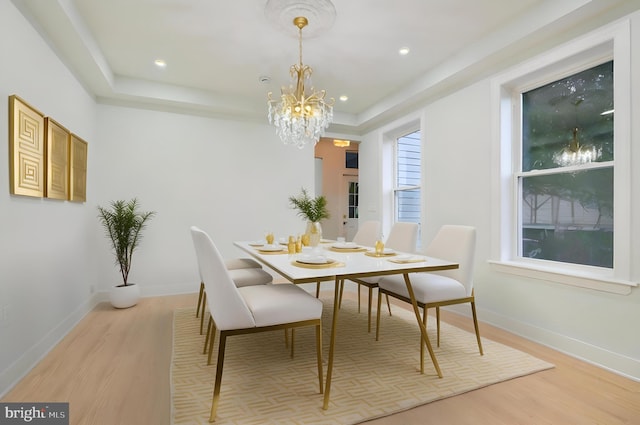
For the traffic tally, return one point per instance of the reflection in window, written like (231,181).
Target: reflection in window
(566,182)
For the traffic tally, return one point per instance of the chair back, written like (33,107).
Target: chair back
(403,237)
(456,243)
(367,233)
(226,305)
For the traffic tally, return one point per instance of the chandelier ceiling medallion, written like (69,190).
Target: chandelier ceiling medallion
(301,113)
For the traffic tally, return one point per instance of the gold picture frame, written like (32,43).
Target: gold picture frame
(26,149)
(57,160)
(78,169)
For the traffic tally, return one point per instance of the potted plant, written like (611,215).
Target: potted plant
(312,210)
(123,223)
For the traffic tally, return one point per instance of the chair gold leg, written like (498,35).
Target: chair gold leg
(378,316)
(318,289)
(388,304)
(204,304)
(359,286)
(218,381)
(341,292)
(211,340)
(438,324)
(475,324)
(293,336)
(369,309)
(319,355)
(206,340)
(200,298)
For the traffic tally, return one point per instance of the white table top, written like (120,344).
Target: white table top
(350,264)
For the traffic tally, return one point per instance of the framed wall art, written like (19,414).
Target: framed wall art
(78,169)
(57,143)
(26,149)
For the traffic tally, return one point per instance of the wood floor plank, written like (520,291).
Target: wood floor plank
(113,368)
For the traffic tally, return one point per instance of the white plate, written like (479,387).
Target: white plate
(345,245)
(269,248)
(388,251)
(309,259)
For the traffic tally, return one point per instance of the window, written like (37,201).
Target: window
(566,211)
(353,200)
(351,159)
(408,178)
(562,170)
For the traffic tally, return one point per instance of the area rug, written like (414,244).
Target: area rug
(262,384)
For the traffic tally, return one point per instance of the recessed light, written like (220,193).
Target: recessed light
(403,51)
(344,98)
(160,63)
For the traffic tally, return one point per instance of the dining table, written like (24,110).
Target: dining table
(337,262)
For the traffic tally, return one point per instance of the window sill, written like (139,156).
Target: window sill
(571,278)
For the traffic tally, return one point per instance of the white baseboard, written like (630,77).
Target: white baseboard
(18,369)
(598,356)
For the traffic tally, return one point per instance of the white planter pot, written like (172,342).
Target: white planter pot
(125,296)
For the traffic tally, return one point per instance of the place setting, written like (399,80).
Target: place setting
(341,246)
(315,260)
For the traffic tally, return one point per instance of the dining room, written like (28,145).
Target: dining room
(234,177)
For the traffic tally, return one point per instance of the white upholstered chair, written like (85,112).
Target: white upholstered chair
(402,237)
(243,271)
(251,309)
(435,289)
(232,264)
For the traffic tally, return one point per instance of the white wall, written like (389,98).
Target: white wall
(232,179)
(45,245)
(597,326)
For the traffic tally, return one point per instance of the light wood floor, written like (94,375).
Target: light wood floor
(113,368)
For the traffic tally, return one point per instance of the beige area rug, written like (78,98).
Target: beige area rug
(262,384)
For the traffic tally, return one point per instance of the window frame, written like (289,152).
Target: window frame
(608,43)
(397,188)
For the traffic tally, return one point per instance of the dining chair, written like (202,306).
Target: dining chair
(243,272)
(231,264)
(402,237)
(251,309)
(365,236)
(436,289)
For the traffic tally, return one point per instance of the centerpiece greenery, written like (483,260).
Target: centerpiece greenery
(313,210)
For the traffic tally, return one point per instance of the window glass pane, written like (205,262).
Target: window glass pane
(569,121)
(408,205)
(568,217)
(408,160)
(353,200)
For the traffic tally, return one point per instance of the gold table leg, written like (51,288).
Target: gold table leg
(332,341)
(423,328)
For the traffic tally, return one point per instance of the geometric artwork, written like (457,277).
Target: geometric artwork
(26,149)
(78,170)
(57,160)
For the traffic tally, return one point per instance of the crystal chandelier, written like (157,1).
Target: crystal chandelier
(576,154)
(300,116)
